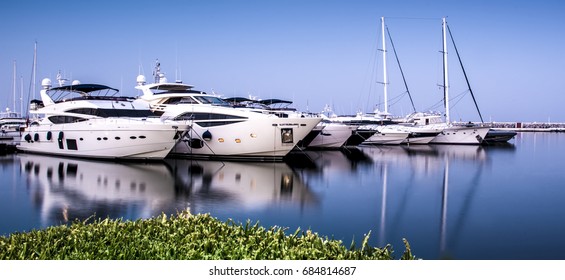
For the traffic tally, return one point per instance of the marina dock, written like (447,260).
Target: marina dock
(524,126)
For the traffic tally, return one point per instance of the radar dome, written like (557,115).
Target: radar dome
(75,82)
(162,78)
(46,83)
(141,80)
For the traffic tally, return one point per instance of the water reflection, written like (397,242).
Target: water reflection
(435,196)
(221,186)
(418,181)
(65,189)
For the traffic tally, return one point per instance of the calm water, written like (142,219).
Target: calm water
(450,202)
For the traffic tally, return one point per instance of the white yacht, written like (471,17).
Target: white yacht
(219,130)
(333,135)
(282,109)
(11,126)
(420,134)
(388,135)
(91,121)
(452,134)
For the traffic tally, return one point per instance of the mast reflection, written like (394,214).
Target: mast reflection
(421,179)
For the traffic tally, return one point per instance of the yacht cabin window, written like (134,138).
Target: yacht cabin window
(205,116)
(107,113)
(65,119)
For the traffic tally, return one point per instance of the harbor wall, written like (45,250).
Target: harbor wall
(524,126)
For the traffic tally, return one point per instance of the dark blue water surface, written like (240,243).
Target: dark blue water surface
(449,202)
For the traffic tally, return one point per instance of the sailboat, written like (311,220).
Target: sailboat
(11,122)
(399,133)
(493,136)
(451,134)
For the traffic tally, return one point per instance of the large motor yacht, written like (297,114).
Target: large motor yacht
(91,121)
(219,130)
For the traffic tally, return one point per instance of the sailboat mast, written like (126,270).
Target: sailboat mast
(385,82)
(21,96)
(465,74)
(34,68)
(445,77)
(14,86)
(400,67)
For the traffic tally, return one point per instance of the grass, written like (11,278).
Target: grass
(181,237)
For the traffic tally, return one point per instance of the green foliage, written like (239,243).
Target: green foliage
(181,237)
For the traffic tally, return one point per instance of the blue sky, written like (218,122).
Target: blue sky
(311,52)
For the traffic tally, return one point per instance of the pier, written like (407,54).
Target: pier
(523,126)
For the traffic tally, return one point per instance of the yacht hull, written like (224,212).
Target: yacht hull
(387,138)
(332,136)
(359,136)
(420,138)
(461,135)
(110,138)
(387,135)
(256,139)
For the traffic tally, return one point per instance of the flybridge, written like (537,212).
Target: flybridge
(78,91)
(84,91)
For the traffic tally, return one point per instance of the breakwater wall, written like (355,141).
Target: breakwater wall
(524,126)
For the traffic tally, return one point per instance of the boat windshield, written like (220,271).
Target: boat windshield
(211,100)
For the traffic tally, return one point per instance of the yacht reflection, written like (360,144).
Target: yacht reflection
(335,160)
(239,185)
(66,189)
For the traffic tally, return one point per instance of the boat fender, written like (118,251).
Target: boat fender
(49,135)
(36,137)
(207,135)
(60,140)
(195,143)
(27,138)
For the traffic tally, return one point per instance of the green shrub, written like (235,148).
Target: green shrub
(181,237)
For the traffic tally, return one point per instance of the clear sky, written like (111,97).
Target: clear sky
(310,52)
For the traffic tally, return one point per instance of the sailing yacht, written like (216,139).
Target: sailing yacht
(11,122)
(219,130)
(91,121)
(451,134)
(394,132)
